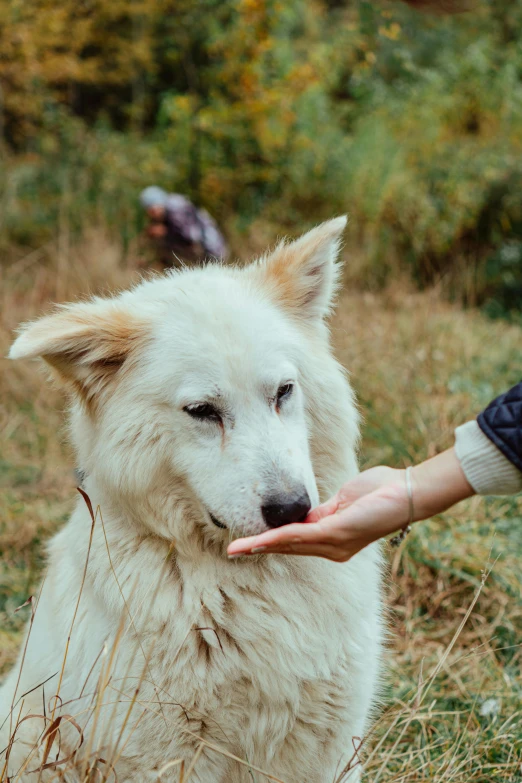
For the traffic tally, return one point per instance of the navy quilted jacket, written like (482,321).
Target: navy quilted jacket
(501,421)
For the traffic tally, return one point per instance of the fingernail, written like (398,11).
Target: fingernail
(257,549)
(232,557)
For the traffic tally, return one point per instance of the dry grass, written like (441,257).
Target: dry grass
(420,367)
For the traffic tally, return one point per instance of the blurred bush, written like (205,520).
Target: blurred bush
(285,113)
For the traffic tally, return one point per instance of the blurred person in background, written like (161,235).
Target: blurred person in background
(183,233)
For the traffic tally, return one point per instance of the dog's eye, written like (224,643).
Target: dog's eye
(284,392)
(202,411)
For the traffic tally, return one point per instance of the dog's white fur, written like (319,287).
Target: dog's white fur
(273,659)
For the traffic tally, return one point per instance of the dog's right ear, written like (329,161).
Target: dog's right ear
(86,344)
(302,275)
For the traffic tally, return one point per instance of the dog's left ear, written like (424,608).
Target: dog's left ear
(85,343)
(302,275)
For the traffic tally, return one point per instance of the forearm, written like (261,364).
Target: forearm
(473,466)
(438,484)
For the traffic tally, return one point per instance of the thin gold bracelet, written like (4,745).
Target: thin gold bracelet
(399,538)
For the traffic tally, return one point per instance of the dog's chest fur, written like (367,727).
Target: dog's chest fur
(268,660)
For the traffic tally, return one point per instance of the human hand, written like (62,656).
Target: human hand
(372,505)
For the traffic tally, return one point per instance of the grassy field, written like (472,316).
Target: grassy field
(453,703)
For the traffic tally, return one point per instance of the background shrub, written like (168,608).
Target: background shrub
(274,116)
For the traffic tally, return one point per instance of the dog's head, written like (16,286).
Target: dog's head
(202,388)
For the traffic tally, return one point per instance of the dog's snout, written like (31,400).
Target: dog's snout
(283,510)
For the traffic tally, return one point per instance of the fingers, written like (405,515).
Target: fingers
(299,538)
(281,536)
(327,551)
(310,550)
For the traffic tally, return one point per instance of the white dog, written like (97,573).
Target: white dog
(206,405)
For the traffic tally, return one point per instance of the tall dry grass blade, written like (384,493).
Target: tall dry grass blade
(7,750)
(50,736)
(194,761)
(354,762)
(115,754)
(424,686)
(24,653)
(243,762)
(31,690)
(99,693)
(84,576)
(169,765)
(211,745)
(126,604)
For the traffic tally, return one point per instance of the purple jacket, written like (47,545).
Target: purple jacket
(187,225)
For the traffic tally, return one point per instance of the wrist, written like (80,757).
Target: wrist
(438,484)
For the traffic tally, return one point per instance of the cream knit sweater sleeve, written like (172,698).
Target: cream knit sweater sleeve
(487,470)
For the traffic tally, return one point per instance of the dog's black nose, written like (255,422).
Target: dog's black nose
(284,510)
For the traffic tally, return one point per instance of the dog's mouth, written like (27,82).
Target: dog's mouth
(217,522)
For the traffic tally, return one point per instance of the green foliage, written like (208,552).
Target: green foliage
(288,112)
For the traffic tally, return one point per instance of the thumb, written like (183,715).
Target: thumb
(326,509)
